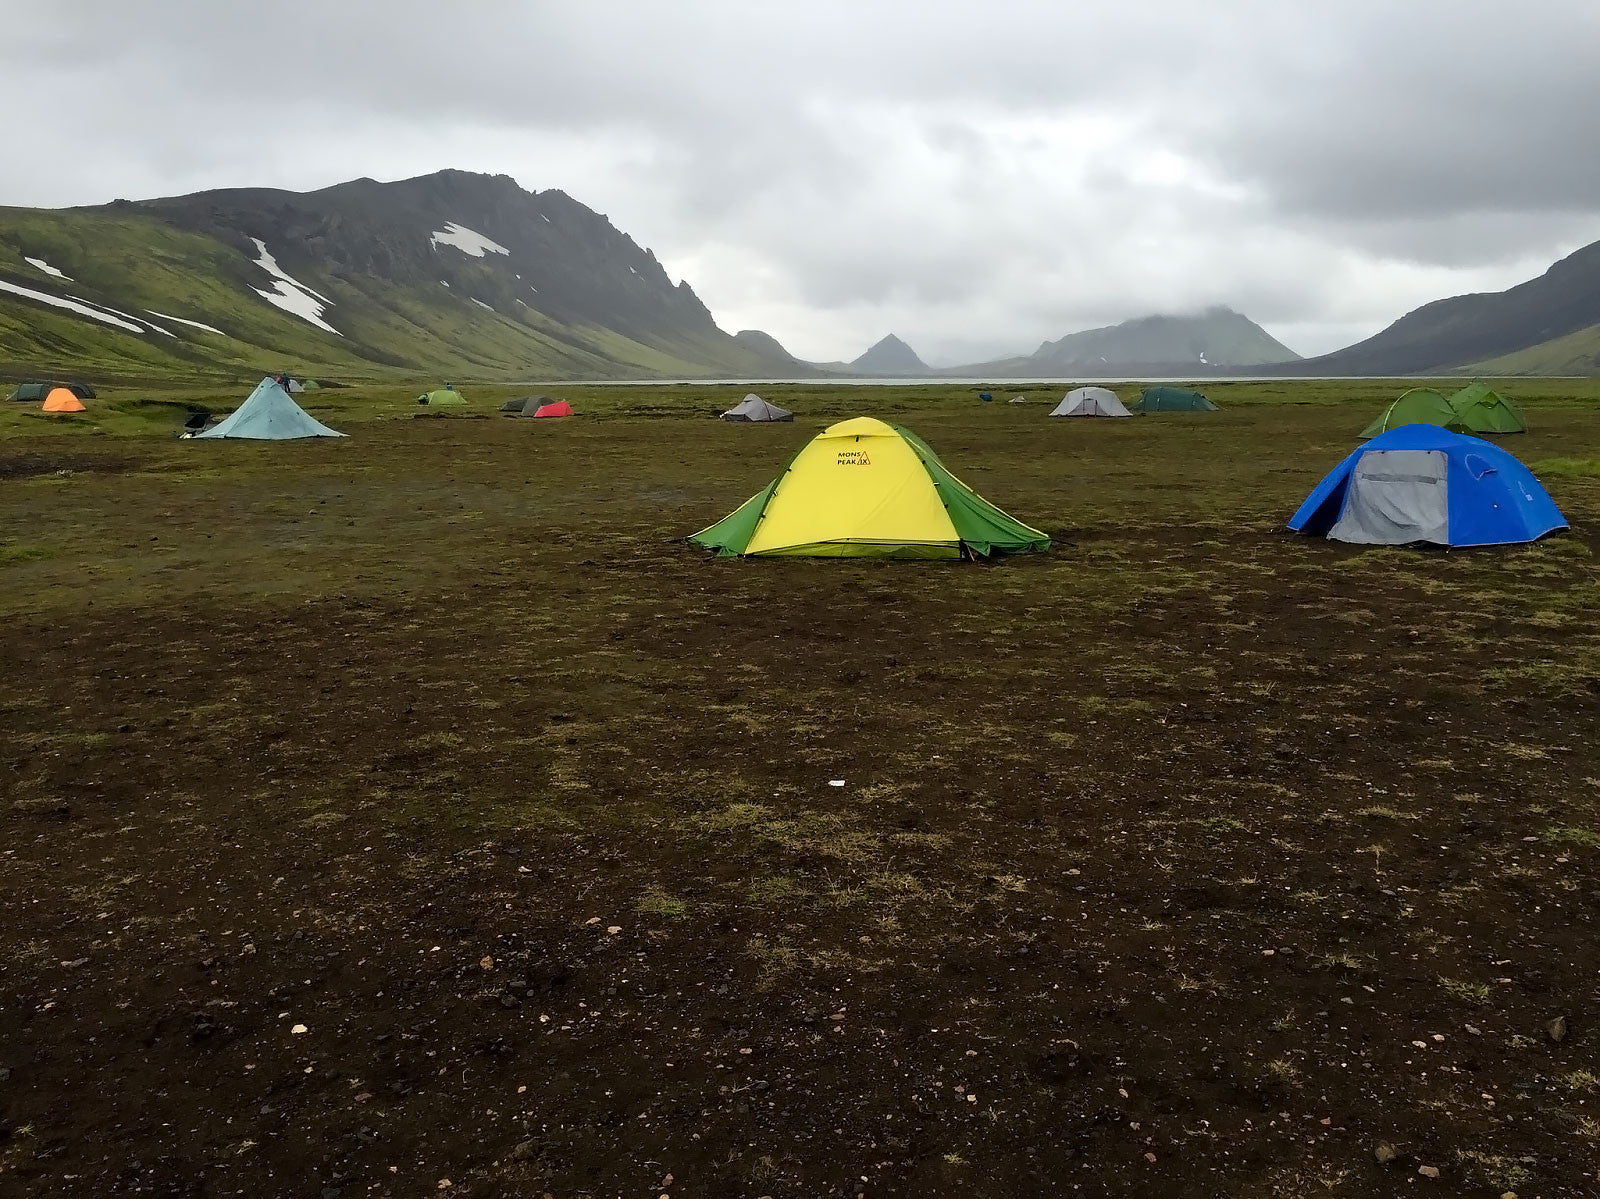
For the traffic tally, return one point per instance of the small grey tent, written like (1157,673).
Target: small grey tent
(269,415)
(754,408)
(1090,401)
(524,404)
(30,393)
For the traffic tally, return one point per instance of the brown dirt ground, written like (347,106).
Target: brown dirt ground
(1189,859)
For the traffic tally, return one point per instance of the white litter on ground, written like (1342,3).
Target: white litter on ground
(185,321)
(289,293)
(466,240)
(39,264)
(80,308)
(481,304)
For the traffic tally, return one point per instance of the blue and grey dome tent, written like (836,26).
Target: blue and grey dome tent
(1424,484)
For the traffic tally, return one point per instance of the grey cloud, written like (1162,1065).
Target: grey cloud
(975,176)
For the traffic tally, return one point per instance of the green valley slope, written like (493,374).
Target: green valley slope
(1574,354)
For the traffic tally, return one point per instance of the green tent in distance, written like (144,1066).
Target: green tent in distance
(1482,409)
(1172,399)
(1419,406)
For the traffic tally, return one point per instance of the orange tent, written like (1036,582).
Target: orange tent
(559,408)
(61,400)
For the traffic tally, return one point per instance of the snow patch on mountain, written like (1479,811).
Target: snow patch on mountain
(186,321)
(289,293)
(127,316)
(466,240)
(77,306)
(482,305)
(39,264)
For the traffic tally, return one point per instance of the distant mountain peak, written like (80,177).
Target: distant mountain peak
(890,356)
(767,346)
(1215,337)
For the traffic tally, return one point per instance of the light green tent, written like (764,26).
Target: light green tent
(1173,399)
(445,397)
(1484,410)
(1419,406)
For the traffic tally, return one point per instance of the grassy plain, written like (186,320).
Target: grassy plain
(1188,858)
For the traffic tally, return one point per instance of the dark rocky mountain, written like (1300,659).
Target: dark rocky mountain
(891,356)
(771,349)
(456,272)
(1548,325)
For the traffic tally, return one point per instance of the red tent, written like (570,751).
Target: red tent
(559,408)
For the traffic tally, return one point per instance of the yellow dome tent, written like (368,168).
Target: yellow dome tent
(865,489)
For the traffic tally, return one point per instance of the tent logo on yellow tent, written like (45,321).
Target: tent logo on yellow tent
(854,458)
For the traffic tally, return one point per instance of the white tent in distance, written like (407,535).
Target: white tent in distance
(1090,401)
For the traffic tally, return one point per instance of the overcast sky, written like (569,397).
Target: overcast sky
(974,176)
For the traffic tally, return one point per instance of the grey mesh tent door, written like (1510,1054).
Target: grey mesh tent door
(1397,497)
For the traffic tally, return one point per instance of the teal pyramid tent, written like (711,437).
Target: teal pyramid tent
(270,415)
